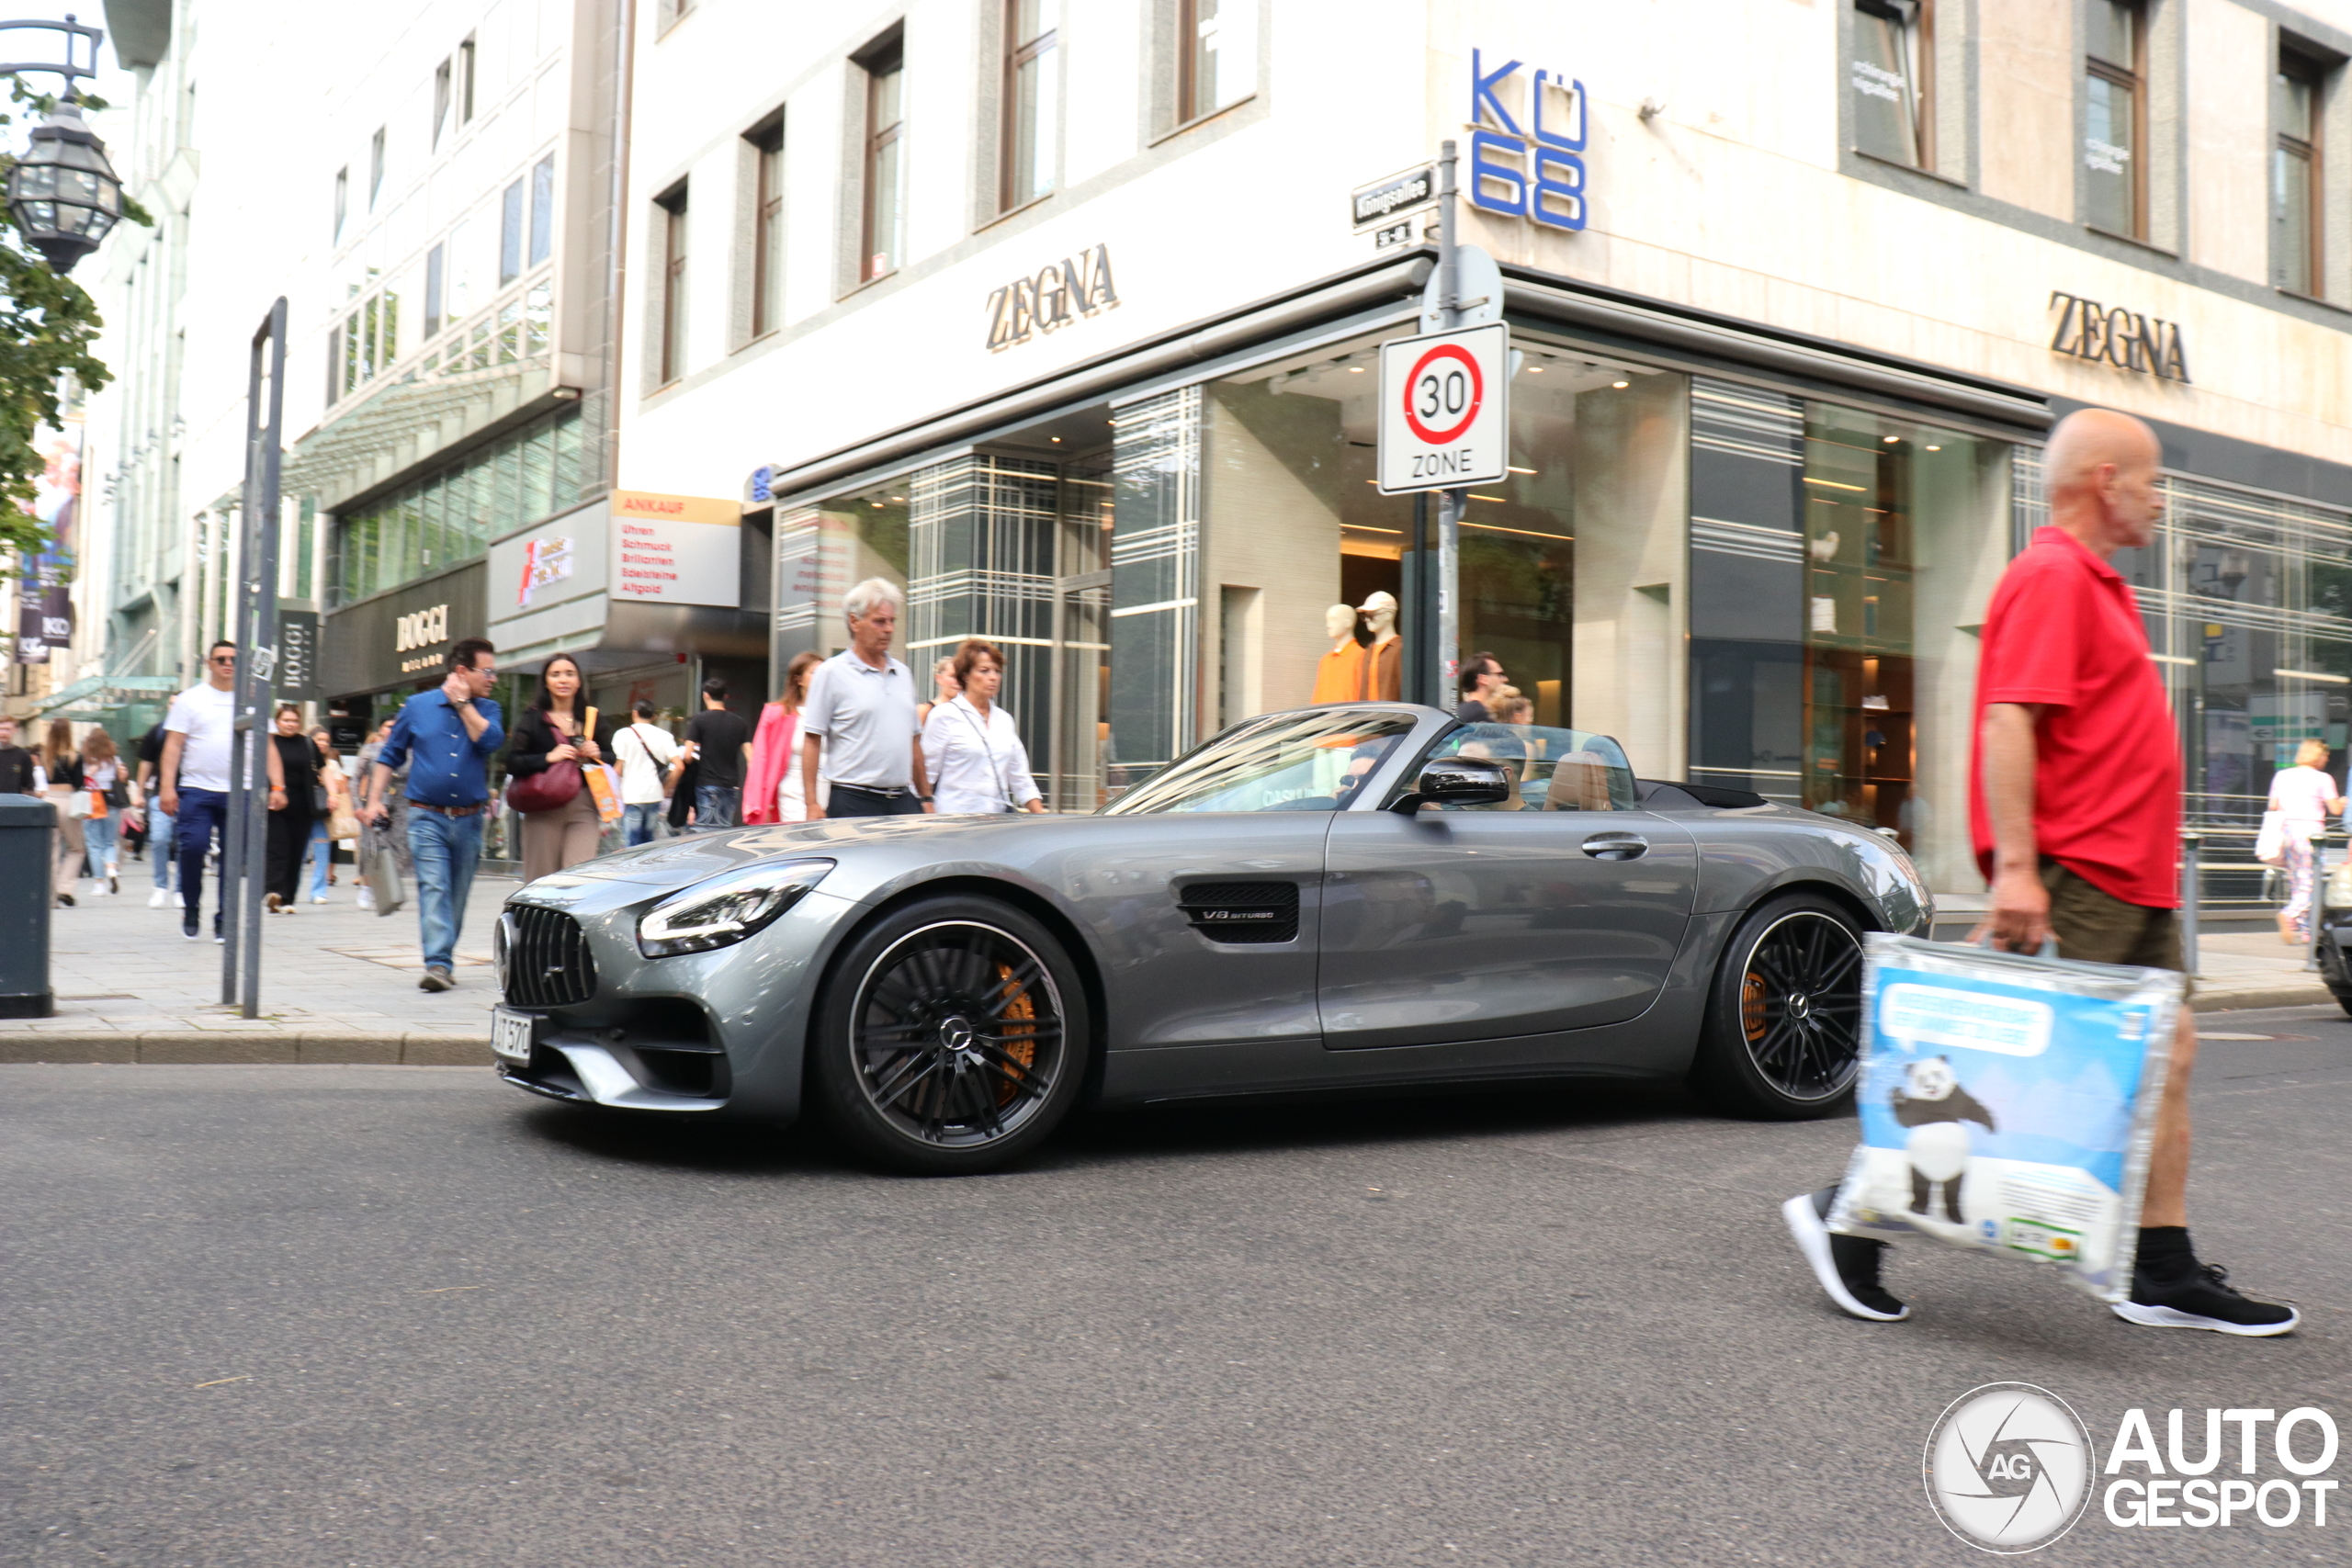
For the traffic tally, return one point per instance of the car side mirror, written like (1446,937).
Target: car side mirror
(1456,780)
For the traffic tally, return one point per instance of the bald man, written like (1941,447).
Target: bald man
(2075,804)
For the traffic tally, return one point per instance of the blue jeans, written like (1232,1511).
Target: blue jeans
(163,845)
(639,822)
(203,812)
(445,850)
(322,857)
(715,805)
(98,841)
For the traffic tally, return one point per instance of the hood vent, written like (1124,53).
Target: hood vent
(1241,911)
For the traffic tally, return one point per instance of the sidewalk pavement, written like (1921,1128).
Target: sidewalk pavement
(338,984)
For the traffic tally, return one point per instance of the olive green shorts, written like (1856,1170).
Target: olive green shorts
(2097,927)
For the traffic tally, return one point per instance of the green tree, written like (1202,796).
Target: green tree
(47,326)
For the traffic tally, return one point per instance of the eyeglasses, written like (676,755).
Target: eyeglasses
(224,659)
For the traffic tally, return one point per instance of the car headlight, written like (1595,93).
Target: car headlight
(723,909)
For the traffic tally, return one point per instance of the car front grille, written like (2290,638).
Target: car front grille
(542,958)
(1241,911)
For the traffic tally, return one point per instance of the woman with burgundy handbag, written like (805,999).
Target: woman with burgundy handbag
(552,739)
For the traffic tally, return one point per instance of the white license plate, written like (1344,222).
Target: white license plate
(510,1033)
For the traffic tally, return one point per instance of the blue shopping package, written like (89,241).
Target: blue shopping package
(2008,1104)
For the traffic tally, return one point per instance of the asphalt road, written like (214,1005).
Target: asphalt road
(401,1317)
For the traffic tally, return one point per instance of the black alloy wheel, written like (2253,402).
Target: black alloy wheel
(1783,1033)
(951,1039)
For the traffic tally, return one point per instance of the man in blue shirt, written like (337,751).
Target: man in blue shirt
(445,737)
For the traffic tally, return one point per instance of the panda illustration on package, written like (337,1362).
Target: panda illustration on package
(1931,1103)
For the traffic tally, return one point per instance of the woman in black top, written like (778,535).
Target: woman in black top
(553,729)
(293,792)
(62,764)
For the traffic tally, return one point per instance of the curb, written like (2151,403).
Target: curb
(188,1047)
(2306,993)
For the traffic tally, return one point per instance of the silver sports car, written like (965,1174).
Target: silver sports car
(1358,894)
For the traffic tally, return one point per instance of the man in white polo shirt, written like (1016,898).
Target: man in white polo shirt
(192,784)
(860,718)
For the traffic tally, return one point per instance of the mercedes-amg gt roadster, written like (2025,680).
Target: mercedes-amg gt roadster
(1351,895)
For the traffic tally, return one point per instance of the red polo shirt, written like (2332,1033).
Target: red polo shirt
(2064,631)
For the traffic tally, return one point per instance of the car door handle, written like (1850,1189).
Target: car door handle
(1616,846)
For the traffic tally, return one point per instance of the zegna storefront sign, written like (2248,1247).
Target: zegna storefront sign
(1059,294)
(2125,339)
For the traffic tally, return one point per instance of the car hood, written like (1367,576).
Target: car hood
(674,862)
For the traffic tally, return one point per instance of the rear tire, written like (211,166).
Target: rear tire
(1783,1031)
(950,1039)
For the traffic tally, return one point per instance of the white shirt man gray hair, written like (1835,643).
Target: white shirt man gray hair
(860,717)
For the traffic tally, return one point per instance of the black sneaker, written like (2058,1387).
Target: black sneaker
(1846,1265)
(2202,1298)
(436,979)
(189,928)
(66,900)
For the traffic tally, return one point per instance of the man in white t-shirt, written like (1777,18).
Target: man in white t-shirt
(193,780)
(645,752)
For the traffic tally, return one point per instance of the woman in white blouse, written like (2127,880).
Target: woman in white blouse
(2303,796)
(971,747)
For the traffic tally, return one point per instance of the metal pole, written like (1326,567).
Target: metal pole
(2192,890)
(230,894)
(1452,503)
(257,658)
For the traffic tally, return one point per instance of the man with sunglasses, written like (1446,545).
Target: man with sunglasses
(192,781)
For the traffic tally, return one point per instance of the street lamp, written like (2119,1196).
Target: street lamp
(63,192)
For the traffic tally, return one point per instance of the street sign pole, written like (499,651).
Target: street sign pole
(244,865)
(1451,503)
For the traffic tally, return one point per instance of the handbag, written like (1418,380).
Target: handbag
(2270,843)
(77,806)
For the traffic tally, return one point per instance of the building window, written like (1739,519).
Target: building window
(2115,129)
(441,79)
(543,209)
(1892,77)
(882,249)
(466,83)
(767,230)
(342,199)
(510,234)
(669,360)
(2295,175)
(433,299)
(375,167)
(1216,55)
(1032,95)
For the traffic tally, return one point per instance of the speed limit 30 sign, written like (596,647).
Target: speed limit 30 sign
(1444,409)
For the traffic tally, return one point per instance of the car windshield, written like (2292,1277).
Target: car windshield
(1556,770)
(1314,761)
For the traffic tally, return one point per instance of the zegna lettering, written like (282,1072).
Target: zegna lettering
(421,629)
(1061,293)
(2123,338)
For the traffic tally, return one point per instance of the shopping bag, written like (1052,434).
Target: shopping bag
(2271,841)
(2007,1105)
(606,788)
(384,873)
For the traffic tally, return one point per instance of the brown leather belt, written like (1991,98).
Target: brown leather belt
(473,810)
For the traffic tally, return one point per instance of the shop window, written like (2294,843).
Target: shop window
(1030,140)
(2115,118)
(1890,79)
(1155,562)
(1570,567)
(882,247)
(1840,562)
(2295,175)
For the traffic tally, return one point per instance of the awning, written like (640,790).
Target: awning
(106,692)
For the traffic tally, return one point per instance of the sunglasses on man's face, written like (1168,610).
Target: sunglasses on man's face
(224,659)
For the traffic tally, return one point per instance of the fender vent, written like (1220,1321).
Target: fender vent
(1241,911)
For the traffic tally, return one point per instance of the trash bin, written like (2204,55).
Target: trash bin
(27,825)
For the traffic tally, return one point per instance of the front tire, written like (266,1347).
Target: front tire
(951,1038)
(1782,1039)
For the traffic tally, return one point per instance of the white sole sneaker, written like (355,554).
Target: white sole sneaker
(2173,1317)
(1813,1240)
(161,898)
